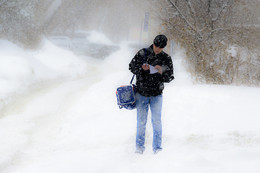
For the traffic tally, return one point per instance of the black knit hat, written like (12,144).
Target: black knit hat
(160,41)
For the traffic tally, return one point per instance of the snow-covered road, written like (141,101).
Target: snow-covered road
(33,121)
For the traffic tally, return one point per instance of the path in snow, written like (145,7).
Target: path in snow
(33,122)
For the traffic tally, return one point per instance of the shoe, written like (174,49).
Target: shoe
(157,150)
(139,151)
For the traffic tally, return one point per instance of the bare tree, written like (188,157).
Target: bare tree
(208,29)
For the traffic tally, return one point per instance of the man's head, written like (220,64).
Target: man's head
(159,42)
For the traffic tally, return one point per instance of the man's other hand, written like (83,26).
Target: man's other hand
(159,68)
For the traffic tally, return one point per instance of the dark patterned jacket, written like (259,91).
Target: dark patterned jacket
(151,84)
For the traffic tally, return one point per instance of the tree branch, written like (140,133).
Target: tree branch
(185,19)
(221,11)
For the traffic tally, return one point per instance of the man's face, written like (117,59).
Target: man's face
(157,50)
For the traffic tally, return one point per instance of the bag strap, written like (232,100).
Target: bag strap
(132,79)
(145,55)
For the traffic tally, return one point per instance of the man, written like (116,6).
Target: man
(152,67)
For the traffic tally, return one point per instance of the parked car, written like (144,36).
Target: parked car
(80,44)
(61,41)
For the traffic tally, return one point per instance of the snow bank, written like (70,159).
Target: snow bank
(61,62)
(19,68)
(99,38)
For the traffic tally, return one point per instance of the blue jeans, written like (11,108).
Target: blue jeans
(142,105)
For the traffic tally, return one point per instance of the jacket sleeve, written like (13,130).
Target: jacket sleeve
(135,65)
(167,75)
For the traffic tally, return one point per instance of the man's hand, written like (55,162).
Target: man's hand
(159,68)
(145,67)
